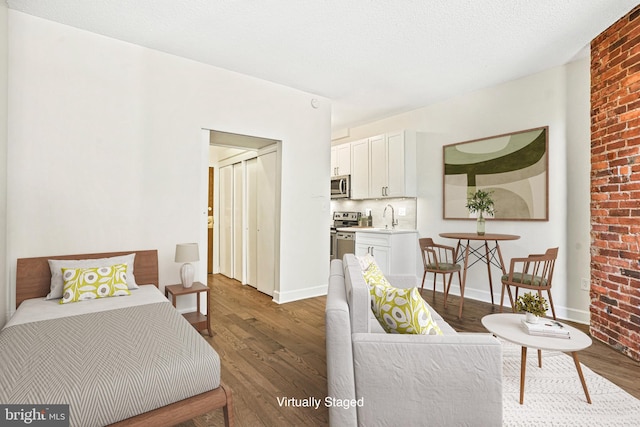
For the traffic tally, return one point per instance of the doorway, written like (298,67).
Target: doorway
(246,208)
(210,222)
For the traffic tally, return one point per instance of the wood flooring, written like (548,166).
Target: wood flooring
(272,351)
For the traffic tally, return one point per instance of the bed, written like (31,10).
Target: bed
(121,361)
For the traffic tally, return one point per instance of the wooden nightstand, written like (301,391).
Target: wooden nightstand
(197,319)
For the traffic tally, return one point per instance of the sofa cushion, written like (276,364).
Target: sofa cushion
(402,311)
(374,325)
(442,324)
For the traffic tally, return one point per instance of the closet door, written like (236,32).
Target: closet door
(266,185)
(252,222)
(226,221)
(238,228)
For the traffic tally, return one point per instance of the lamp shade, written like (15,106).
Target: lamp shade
(187,252)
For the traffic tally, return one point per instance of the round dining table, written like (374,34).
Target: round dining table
(491,255)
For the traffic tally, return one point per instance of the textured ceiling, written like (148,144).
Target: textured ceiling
(372,58)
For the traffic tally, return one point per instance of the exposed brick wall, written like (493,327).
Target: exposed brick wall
(615,185)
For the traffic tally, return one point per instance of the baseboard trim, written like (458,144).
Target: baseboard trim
(562,312)
(300,294)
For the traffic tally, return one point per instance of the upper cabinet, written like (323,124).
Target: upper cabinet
(384,166)
(341,160)
(360,168)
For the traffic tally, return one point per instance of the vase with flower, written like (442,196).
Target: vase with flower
(482,203)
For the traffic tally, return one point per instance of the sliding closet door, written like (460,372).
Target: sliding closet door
(252,222)
(238,231)
(266,185)
(226,221)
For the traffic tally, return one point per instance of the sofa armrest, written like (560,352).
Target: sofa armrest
(340,375)
(336,268)
(448,380)
(403,281)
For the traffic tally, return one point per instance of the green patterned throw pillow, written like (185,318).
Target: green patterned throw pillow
(373,276)
(365,261)
(402,311)
(91,283)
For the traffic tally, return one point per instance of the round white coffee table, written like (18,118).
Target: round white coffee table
(508,326)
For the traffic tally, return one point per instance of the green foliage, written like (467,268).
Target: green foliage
(481,202)
(532,303)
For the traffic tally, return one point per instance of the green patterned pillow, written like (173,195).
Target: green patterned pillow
(373,276)
(402,311)
(365,261)
(91,283)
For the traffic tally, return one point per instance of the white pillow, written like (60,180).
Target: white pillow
(56,266)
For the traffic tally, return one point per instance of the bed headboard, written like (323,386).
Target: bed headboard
(33,276)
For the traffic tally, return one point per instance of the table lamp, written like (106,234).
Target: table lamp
(187,253)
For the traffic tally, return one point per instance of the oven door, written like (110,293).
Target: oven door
(332,245)
(345,244)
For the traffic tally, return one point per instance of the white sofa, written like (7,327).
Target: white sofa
(380,379)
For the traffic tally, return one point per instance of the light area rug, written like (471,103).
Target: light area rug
(553,395)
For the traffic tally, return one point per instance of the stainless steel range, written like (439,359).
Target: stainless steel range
(343,242)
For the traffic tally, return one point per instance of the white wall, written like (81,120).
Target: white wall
(558,98)
(107,152)
(578,243)
(4,277)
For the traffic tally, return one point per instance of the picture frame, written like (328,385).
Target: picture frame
(513,167)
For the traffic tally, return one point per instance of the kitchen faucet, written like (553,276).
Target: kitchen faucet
(394,221)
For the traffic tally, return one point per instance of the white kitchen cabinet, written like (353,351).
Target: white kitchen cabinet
(377,166)
(394,251)
(384,166)
(360,169)
(341,160)
(401,164)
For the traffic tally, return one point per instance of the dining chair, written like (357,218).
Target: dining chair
(534,272)
(439,259)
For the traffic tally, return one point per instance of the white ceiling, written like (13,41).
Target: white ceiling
(371,58)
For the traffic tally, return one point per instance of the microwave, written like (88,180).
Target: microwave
(340,187)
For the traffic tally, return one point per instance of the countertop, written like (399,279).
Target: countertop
(379,230)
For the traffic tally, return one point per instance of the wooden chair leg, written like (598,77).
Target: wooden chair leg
(502,298)
(510,298)
(553,310)
(435,275)
(446,287)
(461,301)
(424,276)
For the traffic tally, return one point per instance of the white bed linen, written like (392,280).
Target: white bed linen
(37,309)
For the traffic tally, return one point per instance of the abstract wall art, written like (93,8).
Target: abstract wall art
(513,167)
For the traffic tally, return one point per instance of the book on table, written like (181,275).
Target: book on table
(546,328)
